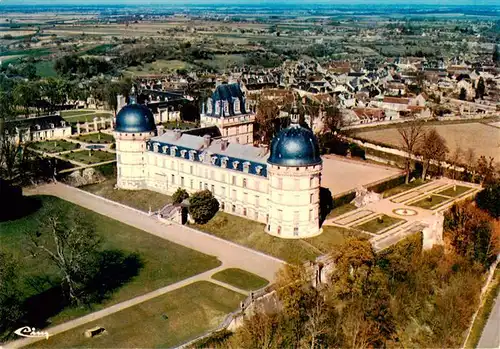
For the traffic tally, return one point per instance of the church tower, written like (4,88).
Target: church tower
(294,173)
(135,124)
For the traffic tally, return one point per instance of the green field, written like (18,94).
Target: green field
(158,67)
(402,188)
(163,262)
(54,146)
(376,225)
(90,157)
(241,279)
(140,199)
(251,234)
(162,322)
(45,69)
(98,137)
(429,202)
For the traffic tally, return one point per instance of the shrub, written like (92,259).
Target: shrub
(78,146)
(112,146)
(180,195)
(489,199)
(203,206)
(357,151)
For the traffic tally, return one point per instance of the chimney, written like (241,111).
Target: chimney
(223,144)
(177,134)
(206,140)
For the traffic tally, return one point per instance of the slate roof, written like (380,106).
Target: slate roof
(227,92)
(212,131)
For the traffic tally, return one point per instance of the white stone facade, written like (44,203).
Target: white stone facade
(285,199)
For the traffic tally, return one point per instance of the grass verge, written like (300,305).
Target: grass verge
(430,201)
(163,262)
(454,191)
(241,279)
(90,157)
(163,322)
(402,188)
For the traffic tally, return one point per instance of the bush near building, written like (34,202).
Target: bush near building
(203,206)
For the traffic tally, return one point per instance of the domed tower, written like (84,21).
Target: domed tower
(134,125)
(294,173)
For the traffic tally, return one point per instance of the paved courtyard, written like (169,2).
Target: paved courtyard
(405,210)
(340,174)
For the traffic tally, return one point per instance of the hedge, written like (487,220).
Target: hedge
(383,186)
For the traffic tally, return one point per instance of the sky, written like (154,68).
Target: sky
(254,2)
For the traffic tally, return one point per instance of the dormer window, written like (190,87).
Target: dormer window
(155,147)
(63,123)
(52,125)
(235,165)
(164,149)
(192,154)
(246,166)
(258,170)
(224,162)
(183,153)
(213,160)
(37,127)
(172,151)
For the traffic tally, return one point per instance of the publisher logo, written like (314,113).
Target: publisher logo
(31,332)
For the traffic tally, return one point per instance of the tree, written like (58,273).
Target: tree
(456,159)
(480,88)
(203,206)
(411,134)
(496,55)
(463,94)
(333,119)
(180,195)
(469,231)
(470,160)
(433,147)
(488,199)
(486,170)
(71,245)
(267,113)
(10,293)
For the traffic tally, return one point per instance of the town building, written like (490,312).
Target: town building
(38,129)
(278,187)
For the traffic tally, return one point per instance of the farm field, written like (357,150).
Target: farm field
(159,66)
(484,139)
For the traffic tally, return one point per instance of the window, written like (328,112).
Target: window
(246,167)
(296,217)
(223,191)
(256,201)
(267,218)
(224,162)
(235,165)
(233,208)
(201,185)
(280,214)
(245,197)
(244,211)
(279,229)
(182,181)
(173,179)
(310,215)
(256,215)
(234,195)
(237,139)
(192,184)
(191,169)
(212,189)
(206,186)
(233,180)
(311,198)
(244,182)
(311,182)
(295,231)
(222,205)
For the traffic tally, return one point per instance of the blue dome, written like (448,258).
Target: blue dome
(135,118)
(295,146)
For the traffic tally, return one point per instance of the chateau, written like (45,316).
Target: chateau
(278,187)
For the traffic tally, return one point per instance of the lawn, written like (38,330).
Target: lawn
(98,137)
(454,191)
(140,199)
(163,322)
(45,69)
(430,202)
(402,188)
(85,116)
(251,234)
(340,210)
(68,113)
(96,156)
(163,262)
(54,146)
(180,125)
(378,224)
(241,279)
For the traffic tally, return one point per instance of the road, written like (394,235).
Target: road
(490,338)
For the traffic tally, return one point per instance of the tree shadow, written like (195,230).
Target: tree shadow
(17,208)
(325,203)
(110,270)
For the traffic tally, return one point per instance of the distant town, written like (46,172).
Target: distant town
(249,175)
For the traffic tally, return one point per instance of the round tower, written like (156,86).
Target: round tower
(294,173)
(135,124)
